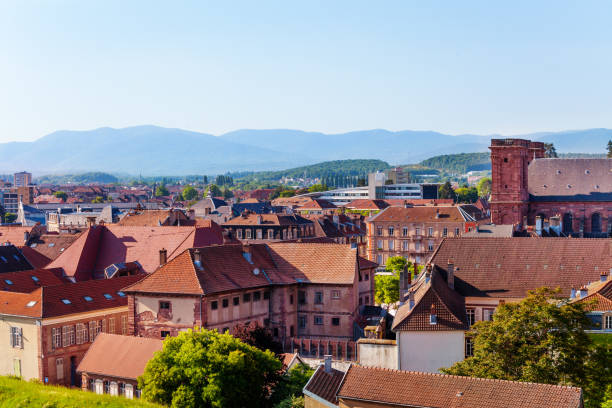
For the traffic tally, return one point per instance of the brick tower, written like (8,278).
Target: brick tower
(510,159)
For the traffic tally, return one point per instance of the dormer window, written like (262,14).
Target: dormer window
(558,171)
(569,186)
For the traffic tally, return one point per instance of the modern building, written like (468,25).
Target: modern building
(414,232)
(525,185)
(22,179)
(307,294)
(368,387)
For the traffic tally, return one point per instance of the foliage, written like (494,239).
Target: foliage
(15,392)
(287,193)
(396,264)
(161,191)
(257,336)
(459,163)
(222,180)
(189,193)
(484,187)
(466,195)
(62,195)
(203,368)
(446,191)
(317,187)
(214,191)
(83,178)
(387,286)
(292,383)
(539,340)
(607,398)
(362,182)
(609,149)
(550,151)
(9,217)
(291,402)
(227,193)
(98,200)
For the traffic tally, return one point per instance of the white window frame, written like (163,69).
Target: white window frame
(391,245)
(318,318)
(56,337)
(270,233)
(607,322)
(16,337)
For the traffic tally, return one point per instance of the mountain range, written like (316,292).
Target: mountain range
(153,150)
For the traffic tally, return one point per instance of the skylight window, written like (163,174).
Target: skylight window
(31,303)
(88,298)
(121,294)
(51,245)
(108,296)
(66,301)
(34,245)
(3,259)
(16,257)
(35,279)
(8,281)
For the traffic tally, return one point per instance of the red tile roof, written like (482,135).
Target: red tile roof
(52,245)
(408,388)
(267,219)
(119,356)
(325,385)
(419,214)
(317,204)
(29,281)
(363,204)
(509,267)
(12,260)
(599,297)
(35,258)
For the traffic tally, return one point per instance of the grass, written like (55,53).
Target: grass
(20,394)
(604,339)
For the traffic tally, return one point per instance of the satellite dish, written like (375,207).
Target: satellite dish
(256,271)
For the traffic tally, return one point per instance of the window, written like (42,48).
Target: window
(360,301)
(469,347)
(391,244)
(379,244)
(256,296)
(66,301)
(121,294)
(405,232)
(471,316)
(81,333)
(445,232)
(266,295)
(379,259)
(270,234)
(107,387)
(259,234)
(391,231)
(302,322)
(239,233)
(290,299)
(225,302)
(405,245)
(111,325)
(318,298)
(124,326)
(16,337)
(335,321)
(335,294)
(59,368)
(430,231)
(367,276)
(246,298)
(67,336)
(276,332)
(102,326)
(487,314)
(367,300)
(92,330)
(164,334)
(608,322)
(291,331)
(417,231)
(121,388)
(379,231)
(248,234)
(236,300)
(456,232)
(214,305)
(430,246)
(31,303)
(318,320)
(8,281)
(302,297)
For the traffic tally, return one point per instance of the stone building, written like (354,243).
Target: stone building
(269,227)
(525,185)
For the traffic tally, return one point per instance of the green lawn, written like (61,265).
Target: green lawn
(602,338)
(18,393)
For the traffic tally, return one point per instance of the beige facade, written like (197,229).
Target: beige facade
(21,357)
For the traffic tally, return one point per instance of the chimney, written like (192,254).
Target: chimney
(26,237)
(583,292)
(451,274)
(197,256)
(259,219)
(433,318)
(416,269)
(411,299)
(539,226)
(573,293)
(603,277)
(328,363)
(163,256)
(246,253)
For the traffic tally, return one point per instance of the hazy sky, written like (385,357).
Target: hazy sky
(332,66)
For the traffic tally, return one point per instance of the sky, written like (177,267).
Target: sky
(457,67)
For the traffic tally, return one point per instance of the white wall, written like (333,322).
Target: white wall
(27,356)
(430,351)
(377,355)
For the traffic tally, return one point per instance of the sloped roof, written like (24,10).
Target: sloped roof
(570,180)
(53,245)
(509,267)
(420,214)
(29,281)
(35,258)
(325,385)
(491,231)
(599,296)
(12,260)
(317,204)
(409,388)
(434,295)
(364,204)
(119,356)
(267,219)
(13,234)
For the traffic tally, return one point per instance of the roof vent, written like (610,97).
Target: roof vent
(569,186)
(558,171)
(256,271)
(587,172)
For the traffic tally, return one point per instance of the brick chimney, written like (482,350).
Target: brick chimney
(583,292)
(411,299)
(603,277)
(450,274)
(163,256)
(328,363)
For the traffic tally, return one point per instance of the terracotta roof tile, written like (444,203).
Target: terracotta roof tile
(119,356)
(317,204)
(35,258)
(267,219)
(420,214)
(12,260)
(29,281)
(409,388)
(363,204)
(599,296)
(325,385)
(509,267)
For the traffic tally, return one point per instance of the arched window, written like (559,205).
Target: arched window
(568,223)
(596,222)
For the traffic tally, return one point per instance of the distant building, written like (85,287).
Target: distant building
(22,179)
(10,197)
(269,227)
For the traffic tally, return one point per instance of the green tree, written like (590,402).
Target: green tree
(203,368)
(550,151)
(539,340)
(287,193)
(609,149)
(9,217)
(291,384)
(387,286)
(446,191)
(484,187)
(98,200)
(214,191)
(362,182)
(317,188)
(161,191)
(62,195)
(466,194)
(256,335)
(189,193)
(227,193)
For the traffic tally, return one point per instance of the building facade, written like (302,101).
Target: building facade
(269,227)
(22,179)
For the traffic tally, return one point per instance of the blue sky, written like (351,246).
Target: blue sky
(332,66)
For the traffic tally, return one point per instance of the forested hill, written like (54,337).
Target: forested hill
(459,163)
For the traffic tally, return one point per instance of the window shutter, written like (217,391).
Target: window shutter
(20,337)
(12,337)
